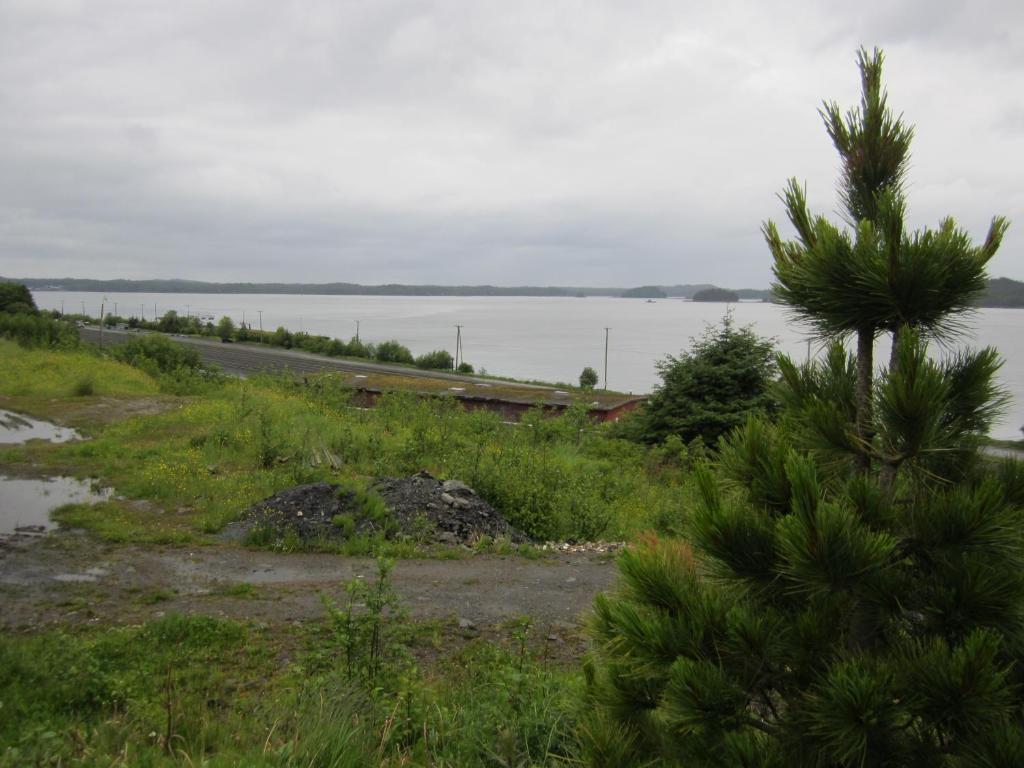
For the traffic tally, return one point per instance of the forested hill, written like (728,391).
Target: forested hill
(1002,291)
(354,289)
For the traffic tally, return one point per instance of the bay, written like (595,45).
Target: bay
(544,338)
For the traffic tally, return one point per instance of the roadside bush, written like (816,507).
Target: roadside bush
(33,330)
(393,352)
(176,367)
(157,353)
(281,338)
(464,368)
(357,348)
(438,360)
(171,322)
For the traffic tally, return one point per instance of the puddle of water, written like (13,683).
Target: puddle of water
(16,428)
(25,504)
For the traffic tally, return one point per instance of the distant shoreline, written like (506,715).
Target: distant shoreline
(1000,292)
(354,289)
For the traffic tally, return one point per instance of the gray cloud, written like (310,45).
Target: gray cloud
(535,142)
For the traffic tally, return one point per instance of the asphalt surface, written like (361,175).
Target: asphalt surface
(248,359)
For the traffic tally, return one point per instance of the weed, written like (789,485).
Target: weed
(84,387)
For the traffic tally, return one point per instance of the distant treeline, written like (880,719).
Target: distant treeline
(1002,292)
(354,289)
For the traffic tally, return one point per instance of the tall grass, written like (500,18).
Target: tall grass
(47,373)
(241,441)
(200,691)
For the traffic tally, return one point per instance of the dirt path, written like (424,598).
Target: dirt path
(68,579)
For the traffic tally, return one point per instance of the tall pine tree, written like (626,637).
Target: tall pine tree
(852,589)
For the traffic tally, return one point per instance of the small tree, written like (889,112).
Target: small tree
(16,299)
(170,322)
(723,379)
(828,618)
(588,378)
(281,337)
(226,328)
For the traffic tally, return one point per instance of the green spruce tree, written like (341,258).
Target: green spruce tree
(852,589)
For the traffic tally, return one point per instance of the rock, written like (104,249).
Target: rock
(461,517)
(457,487)
(466,624)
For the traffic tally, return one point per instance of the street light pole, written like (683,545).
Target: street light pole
(606,358)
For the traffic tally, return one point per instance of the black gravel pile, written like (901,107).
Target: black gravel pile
(421,507)
(309,510)
(450,510)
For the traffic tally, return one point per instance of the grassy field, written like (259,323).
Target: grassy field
(200,691)
(202,460)
(356,688)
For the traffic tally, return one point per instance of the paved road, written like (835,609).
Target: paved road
(248,359)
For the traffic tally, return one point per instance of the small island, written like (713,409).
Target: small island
(716,294)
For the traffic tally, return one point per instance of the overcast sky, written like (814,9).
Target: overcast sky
(531,142)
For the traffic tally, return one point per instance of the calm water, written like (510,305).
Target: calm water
(541,338)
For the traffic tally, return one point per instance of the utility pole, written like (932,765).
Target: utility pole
(83,307)
(62,307)
(188,311)
(261,324)
(142,311)
(357,330)
(606,358)
(458,346)
(115,309)
(103,305)
(243,318)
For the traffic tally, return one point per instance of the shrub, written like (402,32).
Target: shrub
(281,338)
(464,368)
(393,352)
(157,354)
(84,387)
(33,330)
(357,348)
(171,322)
(16,299)
(438,360)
